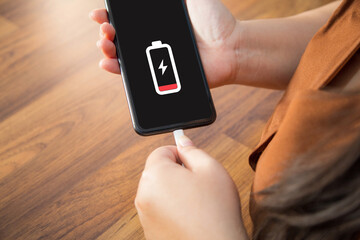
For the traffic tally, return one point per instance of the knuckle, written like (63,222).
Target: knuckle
(143,202)
(140,204)
(159,152)
(144,198)
(162,150)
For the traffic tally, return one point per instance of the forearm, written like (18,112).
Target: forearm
(268,51)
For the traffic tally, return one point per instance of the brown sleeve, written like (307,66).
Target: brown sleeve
(326,54)
(314,120)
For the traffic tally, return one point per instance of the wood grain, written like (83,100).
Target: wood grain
(69,159)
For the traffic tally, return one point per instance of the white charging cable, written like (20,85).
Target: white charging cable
(177,135)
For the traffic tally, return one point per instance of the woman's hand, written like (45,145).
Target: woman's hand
(259,53)
(213,25)
(197,202)
(106,44)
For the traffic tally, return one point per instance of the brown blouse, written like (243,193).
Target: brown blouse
(317,99)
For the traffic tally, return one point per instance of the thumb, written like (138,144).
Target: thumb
(192,157)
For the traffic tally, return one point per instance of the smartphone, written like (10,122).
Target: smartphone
(163,77)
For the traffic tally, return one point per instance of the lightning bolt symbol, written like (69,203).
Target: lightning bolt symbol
(162,67)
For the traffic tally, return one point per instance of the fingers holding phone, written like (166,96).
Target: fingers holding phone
(106,44)
(99,15)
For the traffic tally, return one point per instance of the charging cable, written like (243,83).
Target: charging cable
(177,134)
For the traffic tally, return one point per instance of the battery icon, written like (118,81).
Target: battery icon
(163,68)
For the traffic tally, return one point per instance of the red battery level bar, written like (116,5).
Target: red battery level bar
(163,68)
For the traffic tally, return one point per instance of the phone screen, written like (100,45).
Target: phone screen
(164,79)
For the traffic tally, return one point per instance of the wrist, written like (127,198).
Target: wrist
(247,55)
(251,54)
(266,52)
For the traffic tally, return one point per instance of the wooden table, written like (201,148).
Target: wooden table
(69,159)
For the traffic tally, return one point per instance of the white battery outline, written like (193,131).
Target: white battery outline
(158,45)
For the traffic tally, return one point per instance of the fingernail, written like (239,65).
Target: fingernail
(98,43)
(184,141)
